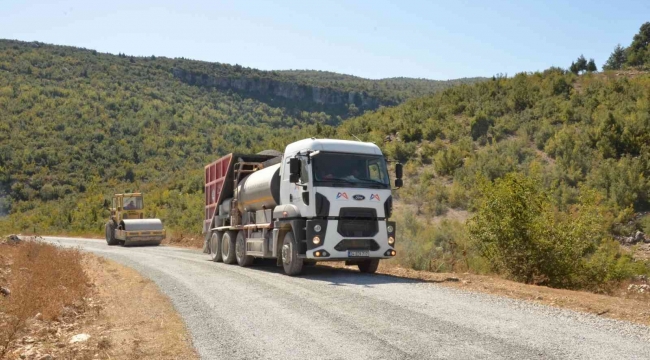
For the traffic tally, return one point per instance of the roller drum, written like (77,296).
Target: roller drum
(259,190)
(141,224)
(141,232)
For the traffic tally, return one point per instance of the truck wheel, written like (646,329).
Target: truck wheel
(110,233)
(369,266)
(240,251)
(290,261)
(228,247)
(215,246)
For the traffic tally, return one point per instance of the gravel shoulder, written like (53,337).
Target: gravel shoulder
(259,313)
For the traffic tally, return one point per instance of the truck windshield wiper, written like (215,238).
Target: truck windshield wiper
(374,183)
(339,179)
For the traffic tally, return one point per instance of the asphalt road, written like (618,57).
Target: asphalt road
(260,313)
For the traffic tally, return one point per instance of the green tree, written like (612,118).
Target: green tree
(581,63)
(617,59)
(639,50)
(591,66)
(480,125)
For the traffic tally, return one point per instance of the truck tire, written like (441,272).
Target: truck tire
(290,261)
(215,246)
(110,234)
(240,251)
(368,266)
(228,247)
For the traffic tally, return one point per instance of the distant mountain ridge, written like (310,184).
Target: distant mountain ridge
(313,90)
(403,87)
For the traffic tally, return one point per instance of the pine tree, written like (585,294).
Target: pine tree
(639,50)
(591,66)
(581,64)
(617,59)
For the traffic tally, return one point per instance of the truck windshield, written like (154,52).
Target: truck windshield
(350,170)
(133,203)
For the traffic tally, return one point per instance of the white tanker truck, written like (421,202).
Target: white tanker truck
(321,200)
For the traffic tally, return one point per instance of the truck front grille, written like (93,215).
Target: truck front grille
(358,222)
(357,244)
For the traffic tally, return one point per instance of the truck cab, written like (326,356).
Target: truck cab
(341,195)
(319,200)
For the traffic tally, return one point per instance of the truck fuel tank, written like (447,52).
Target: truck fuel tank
(259,190)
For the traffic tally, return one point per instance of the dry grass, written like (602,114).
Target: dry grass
(124,314)
(43,278)
(136,321)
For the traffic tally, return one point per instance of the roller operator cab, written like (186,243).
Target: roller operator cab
(320,200)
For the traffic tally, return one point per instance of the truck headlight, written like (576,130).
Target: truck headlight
(316,240)
(391,240)
(317,228)
(389,228)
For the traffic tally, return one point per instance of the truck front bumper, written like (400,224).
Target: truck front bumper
(328,245)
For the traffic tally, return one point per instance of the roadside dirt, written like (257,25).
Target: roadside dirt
(137,320)
(630,306)
(123,316)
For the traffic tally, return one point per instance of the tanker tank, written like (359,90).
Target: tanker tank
(259,190)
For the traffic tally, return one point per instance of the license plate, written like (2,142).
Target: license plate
(358,253)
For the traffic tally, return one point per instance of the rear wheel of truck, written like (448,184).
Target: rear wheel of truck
(215,246)
(290,261)
(240,251)
(110,233)
(228,247)
(369,266)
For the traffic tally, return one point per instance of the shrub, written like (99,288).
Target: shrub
(448,160)
(480,126)
(523,235)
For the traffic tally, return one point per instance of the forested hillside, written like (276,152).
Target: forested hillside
(77,124)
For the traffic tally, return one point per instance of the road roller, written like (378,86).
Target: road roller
(127,225)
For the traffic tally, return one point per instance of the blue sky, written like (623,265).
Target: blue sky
(373,39)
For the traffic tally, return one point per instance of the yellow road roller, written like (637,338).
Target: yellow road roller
(127,225)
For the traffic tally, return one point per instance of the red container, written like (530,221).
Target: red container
(216,174)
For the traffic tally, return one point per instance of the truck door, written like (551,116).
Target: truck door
(298,194)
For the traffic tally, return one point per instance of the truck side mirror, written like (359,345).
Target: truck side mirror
(398,171)
(399,183)
(294,170)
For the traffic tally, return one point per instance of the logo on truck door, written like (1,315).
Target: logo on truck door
(342,196)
